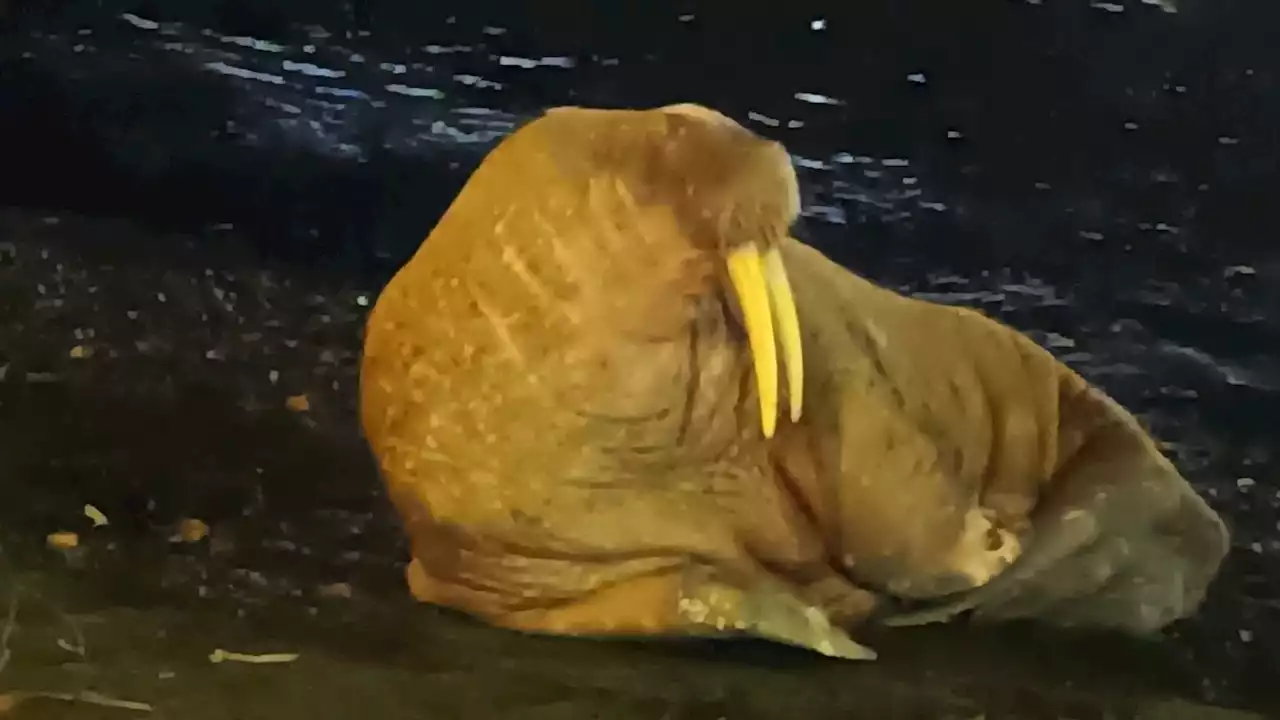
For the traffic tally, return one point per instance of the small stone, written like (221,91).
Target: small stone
(335,590)
(80,352)
(1245,483)
(190,530)
(63,540)
(96,516)
(298,403)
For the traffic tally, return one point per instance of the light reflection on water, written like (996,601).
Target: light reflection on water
(448,97)
(317,113)
(346,101)
(323,97)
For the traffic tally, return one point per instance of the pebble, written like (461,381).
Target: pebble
(63,540)
(190,530)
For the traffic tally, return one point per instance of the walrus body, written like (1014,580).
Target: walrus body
(557,387)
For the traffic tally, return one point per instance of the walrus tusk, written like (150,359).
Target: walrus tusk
(763,292)
(784,307)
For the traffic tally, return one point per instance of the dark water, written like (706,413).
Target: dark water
(205,197)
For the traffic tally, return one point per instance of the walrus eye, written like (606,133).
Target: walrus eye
(764,293)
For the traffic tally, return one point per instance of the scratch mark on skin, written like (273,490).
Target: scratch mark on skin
(513,260)
(571,268)
(516,263)
(500,328)
(622,195)
(597,200)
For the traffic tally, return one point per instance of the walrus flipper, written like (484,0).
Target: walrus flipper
(771,611)
(1120,540)
(688,599)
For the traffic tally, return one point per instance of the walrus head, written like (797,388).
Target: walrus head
(736,198)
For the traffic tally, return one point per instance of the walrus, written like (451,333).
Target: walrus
(934,407)
(572,390)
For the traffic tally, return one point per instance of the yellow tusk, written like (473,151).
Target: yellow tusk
(784,309)
(746,272)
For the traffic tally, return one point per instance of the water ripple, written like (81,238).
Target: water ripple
(329,96)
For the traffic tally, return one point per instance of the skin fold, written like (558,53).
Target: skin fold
(574,402)
(937,413)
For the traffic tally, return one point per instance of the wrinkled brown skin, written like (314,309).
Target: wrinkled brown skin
(934,406)
(560,398)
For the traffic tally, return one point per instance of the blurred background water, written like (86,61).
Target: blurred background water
(204,197)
